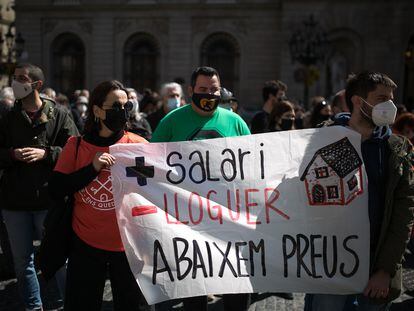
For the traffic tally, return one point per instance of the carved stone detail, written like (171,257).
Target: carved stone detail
(162,25)
(241,26)
(238,25)
(200,24)
(49,25)
(122,24)
(85,26)
(159,25)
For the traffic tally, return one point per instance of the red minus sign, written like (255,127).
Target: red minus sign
(143,210)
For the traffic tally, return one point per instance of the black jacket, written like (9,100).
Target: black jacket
(24,186)
(260,123)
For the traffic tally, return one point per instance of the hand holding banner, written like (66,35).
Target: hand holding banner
(272,212)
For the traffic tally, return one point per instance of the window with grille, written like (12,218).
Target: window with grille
(68,70)
(141,58)
(352,183)
(332,192)
(221,51)
(322,172)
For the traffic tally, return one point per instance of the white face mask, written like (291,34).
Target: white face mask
(21,90)
(383,113)
(82,108)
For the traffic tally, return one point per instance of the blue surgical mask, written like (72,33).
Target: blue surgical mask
(173,103)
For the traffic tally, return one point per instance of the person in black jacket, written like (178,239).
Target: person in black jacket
(273,92)
(32,135)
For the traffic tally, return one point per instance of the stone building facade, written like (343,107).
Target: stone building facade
(147,42)
(7,16)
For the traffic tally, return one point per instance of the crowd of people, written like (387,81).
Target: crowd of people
(53,146)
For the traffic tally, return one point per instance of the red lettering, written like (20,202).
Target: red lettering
(269,201)
(237,204)
(219,215)
(177,214)
(250,204)
(142,210)
(200,208)
(195,204)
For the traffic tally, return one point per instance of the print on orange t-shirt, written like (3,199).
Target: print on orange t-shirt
(94,219)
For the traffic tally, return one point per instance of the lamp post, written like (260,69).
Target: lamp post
(308,46)
(14,49)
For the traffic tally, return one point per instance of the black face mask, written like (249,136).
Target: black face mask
(206,102)
(286,124)
(324,117)
(116,118)
(299,123)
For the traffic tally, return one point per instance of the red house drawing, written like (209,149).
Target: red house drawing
(334,175)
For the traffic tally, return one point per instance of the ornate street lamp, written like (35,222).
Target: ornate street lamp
(308,46)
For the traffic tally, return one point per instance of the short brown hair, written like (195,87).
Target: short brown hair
(272,87)
(35,72)
(364,82)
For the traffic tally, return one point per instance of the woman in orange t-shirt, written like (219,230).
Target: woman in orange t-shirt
(84,170)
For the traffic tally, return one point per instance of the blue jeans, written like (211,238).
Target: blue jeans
(322,302)
(23,227)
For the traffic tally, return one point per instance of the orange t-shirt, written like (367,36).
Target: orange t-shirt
(94,219)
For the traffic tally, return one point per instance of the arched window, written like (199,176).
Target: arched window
(141,56)
(337,72)
(409,75)
(68,70)
(221,51)
(344,57)
(340,62)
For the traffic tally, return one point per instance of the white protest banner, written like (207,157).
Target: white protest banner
(272,212)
